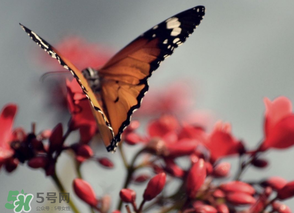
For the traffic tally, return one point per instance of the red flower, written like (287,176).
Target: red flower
(81,111)
(85,192)
(81,53)
(154,187)
(6,122)
(222,169)
(287,191)
(162,126)
(127,195)
(175,99)
(221,142)
(279,124)
(195,178)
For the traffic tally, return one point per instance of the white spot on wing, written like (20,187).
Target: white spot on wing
(39,39)
(176,40)
(172,23)
(176,31)
(155,27)
(165,41)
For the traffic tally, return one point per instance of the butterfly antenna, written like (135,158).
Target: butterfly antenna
(45,75)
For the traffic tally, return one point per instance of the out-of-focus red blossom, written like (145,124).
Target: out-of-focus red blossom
(222,208)
(262,200)
(221,142)
(11,164)
(276,183)
(240,198)
(279,124)
(81,112)
(106,162)
(169,100)
(133,138)
(154,187)
(6,122)
(116,211)
(237,186)
(195,178)
(281,208)
(209,168)
(204,208)
(192,132)
(287,191)
(219,193)
(56,139)
(127,195)
(160,127)
(82,152)
(173,169)
(81,53)
(38,162)
(85,192)
(259,163)
(141,178)
(222,170)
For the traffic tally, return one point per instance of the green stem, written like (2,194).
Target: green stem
(62,190)
(130,170)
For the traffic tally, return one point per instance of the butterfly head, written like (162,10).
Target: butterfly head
(93,79)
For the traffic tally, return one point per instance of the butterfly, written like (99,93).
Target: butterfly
(116,90)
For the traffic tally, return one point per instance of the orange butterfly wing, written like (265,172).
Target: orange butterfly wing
(103,124)
(124,77)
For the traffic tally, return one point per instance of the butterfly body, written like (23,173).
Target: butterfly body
(116,90)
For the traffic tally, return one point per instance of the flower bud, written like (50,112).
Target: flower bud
(205,209)
(281,208)
(240,198)
(38,162)
(85,192)
(237,186)
(222,208)
(127,195)
(222,170)
(141,178)
(276,183)
(195,178)
(287,191)
(154,187)
(11,164)
(105,162)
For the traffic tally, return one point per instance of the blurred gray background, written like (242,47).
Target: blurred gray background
(242,52)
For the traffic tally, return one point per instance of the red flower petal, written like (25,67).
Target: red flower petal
(287,191)
(173,169)
(127,195)
(85,191)
(154,187)
(182,147)
(162,126)
(239,198)
(56,138)
(195,178)
(82,151)
(237,186)
(281,135)
(275,111)
(6,121)
(221,143)
(132,138)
